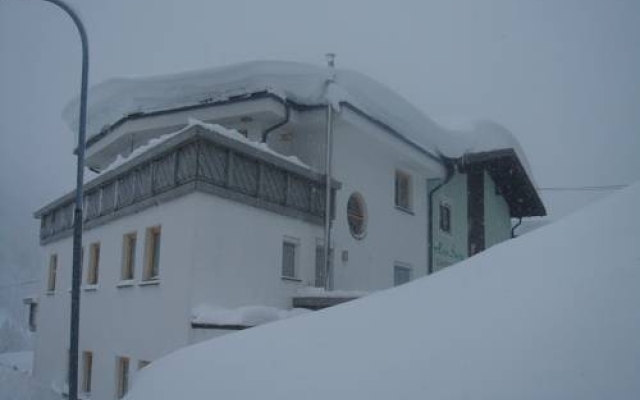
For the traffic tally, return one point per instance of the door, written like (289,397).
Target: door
(321,269)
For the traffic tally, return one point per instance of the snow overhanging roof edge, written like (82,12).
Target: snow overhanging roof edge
(304,86)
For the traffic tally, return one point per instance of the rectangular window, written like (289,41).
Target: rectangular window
(87,370)
(403,190)
(401,274)
(94,263)
(33,311)
(152,254)
(289,258)
(445,217)
(53,270)
(129,243)
(143,363)
(122,371)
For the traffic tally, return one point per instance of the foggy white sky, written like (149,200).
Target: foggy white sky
(562,75)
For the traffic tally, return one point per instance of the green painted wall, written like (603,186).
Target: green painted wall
(451,248)
(497,222)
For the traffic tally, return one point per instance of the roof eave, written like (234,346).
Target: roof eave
(512,181)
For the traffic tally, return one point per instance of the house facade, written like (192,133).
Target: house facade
(216,195)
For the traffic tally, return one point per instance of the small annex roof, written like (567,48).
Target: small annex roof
(115,100)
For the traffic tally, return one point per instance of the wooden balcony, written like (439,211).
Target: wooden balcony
(200,160)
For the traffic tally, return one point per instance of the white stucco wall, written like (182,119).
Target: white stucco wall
(449,248)
(365,163)
(238,254)
(136,321)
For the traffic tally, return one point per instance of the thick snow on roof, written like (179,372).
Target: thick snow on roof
(552,314)
(304,84)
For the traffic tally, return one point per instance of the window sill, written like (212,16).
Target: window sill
(90,288)
(290,279)
(150,282)
(445,233)
(127,283)
(50,292)
(84,396)
(405,210)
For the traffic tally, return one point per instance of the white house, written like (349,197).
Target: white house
(212,196)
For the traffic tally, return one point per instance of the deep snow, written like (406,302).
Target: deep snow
(305,84)
(20,361)
(550,315)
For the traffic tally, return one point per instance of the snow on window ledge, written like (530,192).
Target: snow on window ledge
(150,282)
(90,288)
(405,210)
(291,279)
(310,291)
(126,283)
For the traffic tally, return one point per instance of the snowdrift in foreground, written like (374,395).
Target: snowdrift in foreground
(553,314)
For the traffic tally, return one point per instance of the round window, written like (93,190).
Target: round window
(357,215)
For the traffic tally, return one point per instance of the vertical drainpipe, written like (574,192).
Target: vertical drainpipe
(450,167)
(513,228)
(328,160)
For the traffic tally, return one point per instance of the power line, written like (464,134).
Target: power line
(583,188)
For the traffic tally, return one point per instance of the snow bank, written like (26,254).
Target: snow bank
(20,361)
(247,316)
(17,385)
(304,84)
(12,336)
(309,291)
(550,315)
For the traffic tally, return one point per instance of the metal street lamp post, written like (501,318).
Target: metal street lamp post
(77,214)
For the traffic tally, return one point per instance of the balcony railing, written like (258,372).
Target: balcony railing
(195,160)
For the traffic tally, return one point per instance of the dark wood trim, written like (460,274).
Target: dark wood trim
(205,325)
(475,206)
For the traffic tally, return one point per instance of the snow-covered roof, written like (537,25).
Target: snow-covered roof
(552,314)
(248,316)
(216,128)
(112,101)
(303,84)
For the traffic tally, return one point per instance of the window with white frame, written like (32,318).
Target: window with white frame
(401,274)
(87,371)
(53,271)
(94,263)
(122,377)
(152,254)
(357,215)
(129,242)
(33,312)
(290,258)
(403,190)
